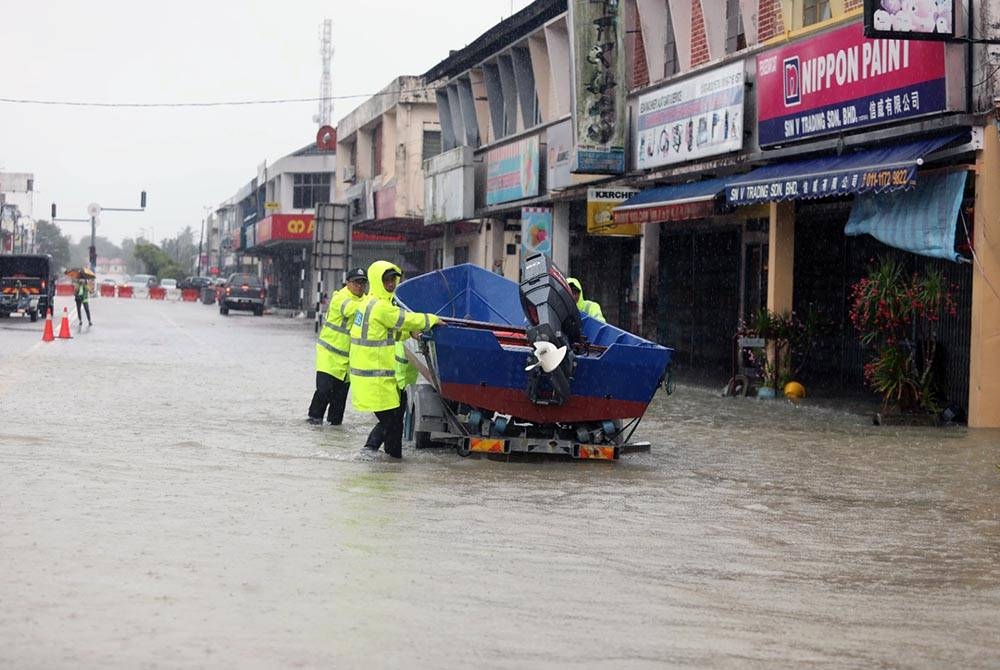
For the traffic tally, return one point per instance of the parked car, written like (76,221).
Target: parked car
(143,282)
(168,283)
(26,285)
(196,282)
(242,292)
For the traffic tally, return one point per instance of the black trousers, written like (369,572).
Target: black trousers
(86,306)
(389,429)
(330,392)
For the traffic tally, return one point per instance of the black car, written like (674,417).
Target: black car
(195,282)
(242,292)
(26,285)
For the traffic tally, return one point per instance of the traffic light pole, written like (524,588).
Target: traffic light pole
(95,209)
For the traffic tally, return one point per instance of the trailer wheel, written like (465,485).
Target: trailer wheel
(463,448)
(33,315)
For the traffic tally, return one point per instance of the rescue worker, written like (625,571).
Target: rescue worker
(332,350)
(81,295)
(378,326)
(588,307)
(406,374)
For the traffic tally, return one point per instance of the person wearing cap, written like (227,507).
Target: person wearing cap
(332,350)
(378,326)
(588,307)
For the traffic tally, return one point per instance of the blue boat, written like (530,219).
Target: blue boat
(479,358)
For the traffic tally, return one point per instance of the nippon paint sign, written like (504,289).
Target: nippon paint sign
(702,116)
(841,81)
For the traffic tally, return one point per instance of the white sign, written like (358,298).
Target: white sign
(702,116)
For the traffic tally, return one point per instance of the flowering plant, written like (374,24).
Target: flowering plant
(894,312)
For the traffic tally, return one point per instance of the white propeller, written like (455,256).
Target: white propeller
(548,356)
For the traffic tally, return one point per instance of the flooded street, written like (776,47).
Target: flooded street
(164,504)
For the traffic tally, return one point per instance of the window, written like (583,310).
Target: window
(310,189)
(431,145)
(537,117)
(736,39)
(377,150)
(814,11)
(670,63)
(461,255)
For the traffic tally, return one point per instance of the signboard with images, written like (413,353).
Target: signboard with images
(559,143)
(702,116)
(599,85)
(512,171)
(601,203)
(840,81)
(910,19)
(536,231)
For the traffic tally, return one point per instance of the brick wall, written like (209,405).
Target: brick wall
(699,41)
(770,21)
(640,69)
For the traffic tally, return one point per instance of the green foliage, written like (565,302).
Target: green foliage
(790,340)
(50,240)
(157,262)
(894,312)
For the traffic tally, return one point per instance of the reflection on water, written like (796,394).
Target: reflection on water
(196,532)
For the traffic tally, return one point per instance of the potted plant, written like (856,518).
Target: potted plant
(786,341)
(897,316)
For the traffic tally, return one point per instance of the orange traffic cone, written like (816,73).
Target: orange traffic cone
(64,326)
(47,335)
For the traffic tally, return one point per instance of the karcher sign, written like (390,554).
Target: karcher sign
(600,203)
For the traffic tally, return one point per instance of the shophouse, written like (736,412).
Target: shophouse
(513,158)
(381,146)
(856,148)
(267,226)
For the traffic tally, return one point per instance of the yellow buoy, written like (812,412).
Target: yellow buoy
(795,390)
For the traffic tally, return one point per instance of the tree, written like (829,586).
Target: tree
(157,262)
(50,240)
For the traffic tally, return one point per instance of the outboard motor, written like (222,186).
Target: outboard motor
(555,328)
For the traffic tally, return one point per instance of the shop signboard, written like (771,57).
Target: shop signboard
(597,49)
(512,171)
(911,20)
(559,143)
(285,227)
(601,203)
(840,81)
(449,186)
(536,231)
(702,116)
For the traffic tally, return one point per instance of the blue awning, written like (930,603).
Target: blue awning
(889,168)
(922,220)
(677,202)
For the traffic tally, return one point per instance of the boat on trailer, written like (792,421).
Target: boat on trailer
(517,369)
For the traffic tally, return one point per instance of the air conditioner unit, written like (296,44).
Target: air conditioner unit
(350,175)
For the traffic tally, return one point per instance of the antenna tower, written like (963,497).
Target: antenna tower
(325,115)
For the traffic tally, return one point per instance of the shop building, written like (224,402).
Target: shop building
(849,143)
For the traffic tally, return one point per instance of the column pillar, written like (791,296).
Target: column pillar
(560,235)
(649,274)
(781,256)
(984,354)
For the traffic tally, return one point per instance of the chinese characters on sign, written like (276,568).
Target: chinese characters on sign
(813,186)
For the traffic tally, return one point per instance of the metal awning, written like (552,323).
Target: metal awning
(677,202)
(889,168)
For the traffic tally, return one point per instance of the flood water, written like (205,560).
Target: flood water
(164,504)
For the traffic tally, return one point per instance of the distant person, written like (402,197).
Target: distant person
(82,296)
(588,307)
(378,326)
(332,350)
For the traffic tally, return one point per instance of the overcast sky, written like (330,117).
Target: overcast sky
(123,51)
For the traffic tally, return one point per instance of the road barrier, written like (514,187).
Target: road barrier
(64,289)
(157,293)
(107,291)
(124,291)
(189,295)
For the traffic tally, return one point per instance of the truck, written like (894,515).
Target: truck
(27,287)
(242,292)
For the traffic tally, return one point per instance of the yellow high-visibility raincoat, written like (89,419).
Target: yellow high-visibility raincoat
(378,326)
(334,343)
(588,307)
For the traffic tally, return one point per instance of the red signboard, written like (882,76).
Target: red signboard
(285,227)
(841,80)
(680,211)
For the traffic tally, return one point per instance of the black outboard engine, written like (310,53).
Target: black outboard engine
(555,328)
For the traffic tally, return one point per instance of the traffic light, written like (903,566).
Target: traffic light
(142,200)
(53,211)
